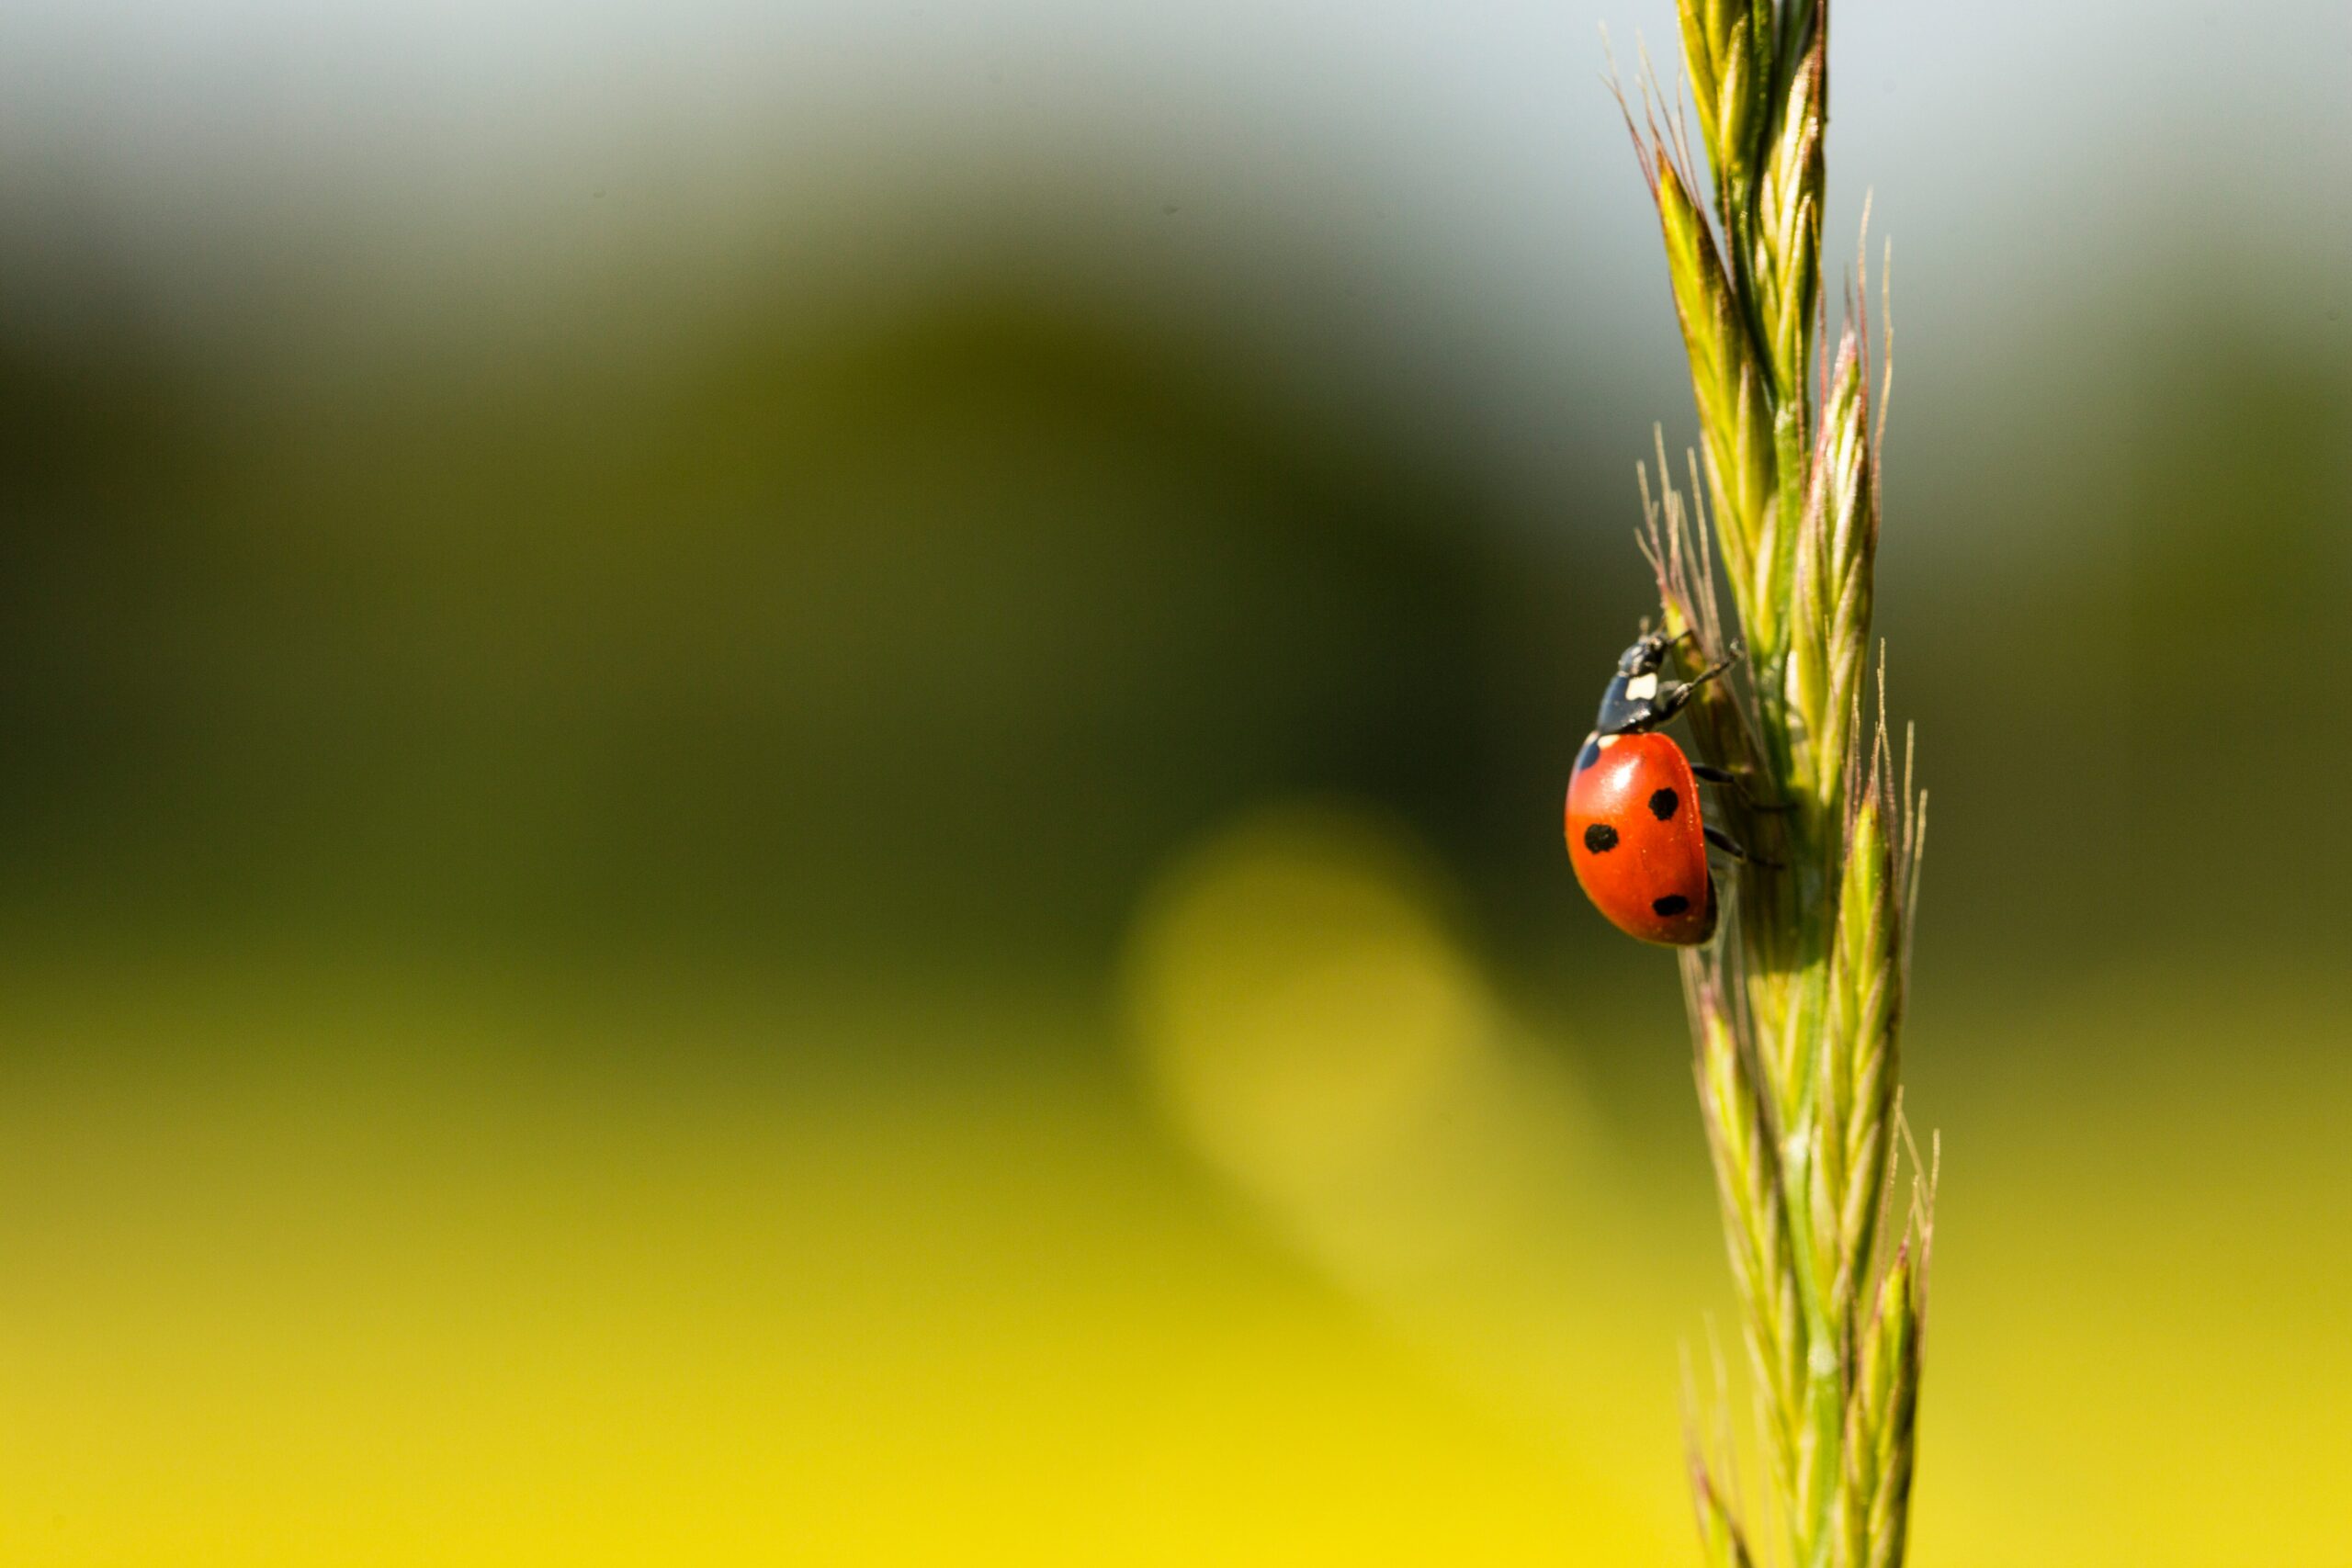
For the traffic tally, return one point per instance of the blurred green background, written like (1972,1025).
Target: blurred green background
(779,783)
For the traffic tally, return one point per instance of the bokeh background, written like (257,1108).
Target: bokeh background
(778,782)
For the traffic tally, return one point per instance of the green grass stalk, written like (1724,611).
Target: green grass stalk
(1796,1011)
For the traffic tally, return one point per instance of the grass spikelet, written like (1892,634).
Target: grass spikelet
(1837,550)
(1754,1201)
(1721,1544)
(1883,1414)
(1729,380)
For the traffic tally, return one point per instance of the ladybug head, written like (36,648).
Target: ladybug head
(1645,656)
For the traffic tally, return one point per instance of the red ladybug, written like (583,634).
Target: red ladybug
(1636,835)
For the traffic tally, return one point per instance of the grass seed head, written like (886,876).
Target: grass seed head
(1796,1017)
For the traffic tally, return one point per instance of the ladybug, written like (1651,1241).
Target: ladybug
(1636,835)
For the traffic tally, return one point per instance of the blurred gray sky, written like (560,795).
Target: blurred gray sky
(255,171)
(457,123)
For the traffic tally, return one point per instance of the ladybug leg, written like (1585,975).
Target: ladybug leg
(1730,846)
(1739,786)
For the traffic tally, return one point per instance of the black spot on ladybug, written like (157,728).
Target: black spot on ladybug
(1590,755)
(1663,804)
(1600,838)
(1672,904)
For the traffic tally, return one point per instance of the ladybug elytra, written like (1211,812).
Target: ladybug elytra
(1636,835)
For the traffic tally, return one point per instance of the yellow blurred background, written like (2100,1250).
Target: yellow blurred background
(777,783)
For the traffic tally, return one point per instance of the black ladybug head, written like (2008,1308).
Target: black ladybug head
(1647,654)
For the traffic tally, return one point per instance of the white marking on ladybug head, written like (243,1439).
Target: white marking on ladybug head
(1641,688)
(1606,742)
